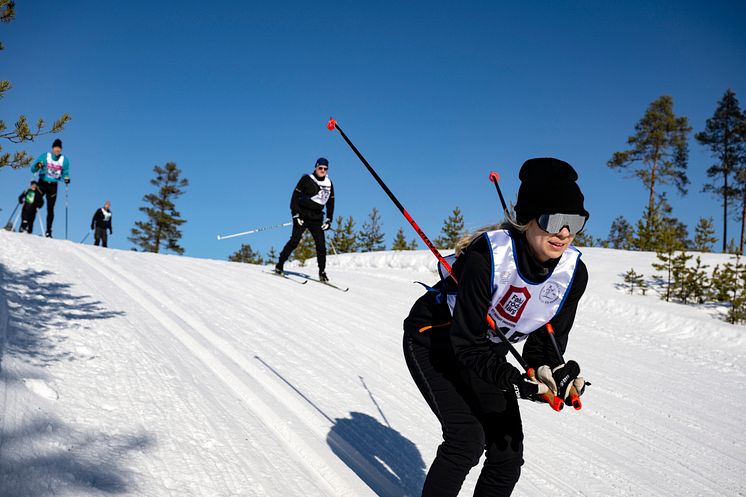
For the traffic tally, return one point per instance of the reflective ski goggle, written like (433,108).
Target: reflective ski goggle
(553,223)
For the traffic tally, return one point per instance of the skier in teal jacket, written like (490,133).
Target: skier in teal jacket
(52,167)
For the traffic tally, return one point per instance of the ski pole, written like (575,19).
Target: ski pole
(574,397)
(41,222)
(554,402)
(256,230)
(15,221)
(66,192)
(9,225)
(332,124)
(85,237)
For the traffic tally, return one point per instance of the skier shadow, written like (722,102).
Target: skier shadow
(390,464)
(43,314)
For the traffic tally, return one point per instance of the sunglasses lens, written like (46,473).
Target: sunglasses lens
(553,223)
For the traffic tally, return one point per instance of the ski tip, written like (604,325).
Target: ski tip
(331,124)
(219,237)
(494,177)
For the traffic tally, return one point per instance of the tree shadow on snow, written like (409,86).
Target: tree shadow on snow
(43,313)
(43,455)
(46,457)
(390,464)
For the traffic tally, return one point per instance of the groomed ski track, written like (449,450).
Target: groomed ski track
(143,374)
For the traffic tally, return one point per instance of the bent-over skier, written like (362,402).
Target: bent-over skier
(524,273)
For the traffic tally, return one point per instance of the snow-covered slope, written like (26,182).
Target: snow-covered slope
(140,374)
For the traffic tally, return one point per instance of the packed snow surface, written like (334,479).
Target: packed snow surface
(153,375)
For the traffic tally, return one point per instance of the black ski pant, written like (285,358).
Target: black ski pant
(318,237)
(475,417)
(28,216)
(100,236)
(49,189)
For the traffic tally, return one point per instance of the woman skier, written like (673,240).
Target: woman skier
(523,273)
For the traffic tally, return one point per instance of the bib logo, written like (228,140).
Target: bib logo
(513,303)
(549,293)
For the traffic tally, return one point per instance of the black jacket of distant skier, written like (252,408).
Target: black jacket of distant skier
(308,210)
(37,200)
(99,220)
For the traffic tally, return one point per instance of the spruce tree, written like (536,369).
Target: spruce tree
(272,256)
(621,234)
(452,230)
(371,236)
(634,279)
(725,136)
(413,244)
(161,229)
(22,131)
(400,241)
(659,145)
(306,248)
(247,255)
(584,239)
(704,235)
(345,238)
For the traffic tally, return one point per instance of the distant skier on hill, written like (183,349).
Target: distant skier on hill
(52,167)
(32,201)
(523,273)
(312,194)
(101,223)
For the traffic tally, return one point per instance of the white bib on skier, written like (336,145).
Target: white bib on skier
(107,214)
(54,167)
(325,190)
(519,306)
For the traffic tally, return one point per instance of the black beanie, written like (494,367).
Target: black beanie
(548,186)
(57,143)
(322,162)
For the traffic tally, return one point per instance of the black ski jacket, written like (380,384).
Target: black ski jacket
(99,222)
(308,210)
(38,202)
(468,336)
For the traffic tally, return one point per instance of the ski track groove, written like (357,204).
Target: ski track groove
(306,455)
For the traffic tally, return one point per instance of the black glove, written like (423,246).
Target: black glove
(91,227)
(298,221)
(111,232)
(67,181)
(527,388)
(326,224)
(560,379)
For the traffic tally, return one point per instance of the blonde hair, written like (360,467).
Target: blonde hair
(507,224)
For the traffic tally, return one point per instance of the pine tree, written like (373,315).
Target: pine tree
(271,257)
(371,237)
(400,242)
(660,145)
(247,255)
(725,136)
(452,230)
(679,288)
(21,132)
(704,235)
(694,283)
(345,238)
(621,234)
(161,229)
(413,244)
(634,279)
(659,230)
(306,249)
(667,244)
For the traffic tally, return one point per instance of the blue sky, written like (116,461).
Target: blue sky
(435,94)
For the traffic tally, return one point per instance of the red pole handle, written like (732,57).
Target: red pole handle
(494,177)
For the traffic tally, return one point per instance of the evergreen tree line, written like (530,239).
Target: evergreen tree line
(682,281)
